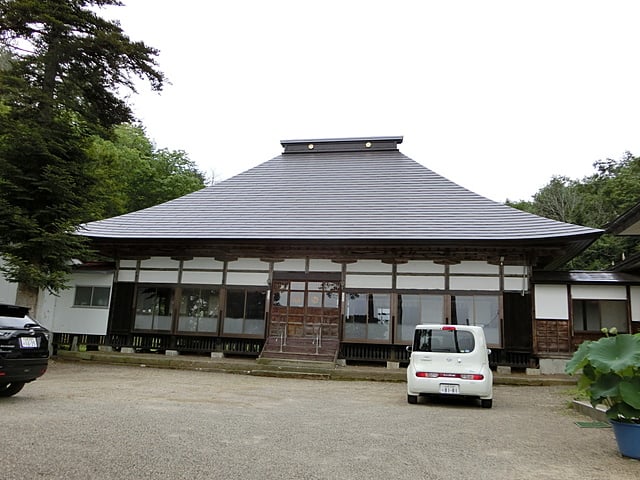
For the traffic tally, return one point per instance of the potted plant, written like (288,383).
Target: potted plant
(610,376)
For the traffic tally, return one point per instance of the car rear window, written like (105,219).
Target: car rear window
(15,322)
(450,341)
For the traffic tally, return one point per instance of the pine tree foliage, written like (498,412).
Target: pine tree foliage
(62,67)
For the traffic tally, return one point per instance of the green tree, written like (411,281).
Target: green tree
(594,201)
(133,174)
(62,69)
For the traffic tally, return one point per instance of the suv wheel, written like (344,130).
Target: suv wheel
(9,389)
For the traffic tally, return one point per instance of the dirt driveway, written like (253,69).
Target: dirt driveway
(90,421)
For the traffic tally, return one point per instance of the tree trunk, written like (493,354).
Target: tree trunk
(51,69)
(27,296)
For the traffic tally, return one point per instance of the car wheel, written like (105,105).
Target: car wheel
(9,389)
(486,403)
(412,399)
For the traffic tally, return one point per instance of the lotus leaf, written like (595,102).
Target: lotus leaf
(615,354)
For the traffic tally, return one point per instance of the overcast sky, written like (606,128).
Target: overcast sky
(497,96)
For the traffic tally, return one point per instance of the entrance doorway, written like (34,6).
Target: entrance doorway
(305,308)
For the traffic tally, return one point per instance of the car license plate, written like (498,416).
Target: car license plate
(28,342)
(449,389)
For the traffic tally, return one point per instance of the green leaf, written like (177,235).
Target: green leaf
(618,354)
(630,391)
(605,387)
(579,359)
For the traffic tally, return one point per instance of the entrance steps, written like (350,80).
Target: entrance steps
(300,349)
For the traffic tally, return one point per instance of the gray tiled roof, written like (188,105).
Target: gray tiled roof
(337,189)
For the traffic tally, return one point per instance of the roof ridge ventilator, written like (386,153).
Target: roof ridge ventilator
(332,145)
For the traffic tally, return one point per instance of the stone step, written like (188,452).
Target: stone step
(301,348)
(296,364)
(289,374)
(298,356)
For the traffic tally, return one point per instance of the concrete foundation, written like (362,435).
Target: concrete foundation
(532,371)
(217,355)
(551,366)
(172,353)
(393,364)
(127,350)
(105,348)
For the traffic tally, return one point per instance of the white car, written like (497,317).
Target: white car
(449,360)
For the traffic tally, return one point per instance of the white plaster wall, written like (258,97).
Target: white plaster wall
(551,302)
(368,281)
(201,278)
(474,283)
(160,262)
(323,265)
(419,282)
(474,267)
(369,266)
(248,264)
(83,320)
(158,276)
(598,292)
(202,263)
(247,278)
(127,276)
(128,264)
(512,284)
(290,265)
(420,266)
(515,270)
(7,291)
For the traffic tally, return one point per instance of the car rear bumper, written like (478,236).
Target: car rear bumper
(22,369)
(466,388)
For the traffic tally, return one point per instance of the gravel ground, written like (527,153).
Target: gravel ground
(91,421)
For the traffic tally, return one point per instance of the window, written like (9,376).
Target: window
(481,310)
(367,316)
(245,312)
(448,341)
(92,297)
(153,308)
(592,315)
(416,309)
(199,310)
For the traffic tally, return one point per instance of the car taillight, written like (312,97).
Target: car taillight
(461,376)
(449,327)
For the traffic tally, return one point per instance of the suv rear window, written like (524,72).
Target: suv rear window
(17,323)
(449,341)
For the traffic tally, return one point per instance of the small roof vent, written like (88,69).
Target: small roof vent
(361,144)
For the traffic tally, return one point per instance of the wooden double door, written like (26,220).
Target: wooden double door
(305,308)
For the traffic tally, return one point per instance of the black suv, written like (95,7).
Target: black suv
(24,349)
